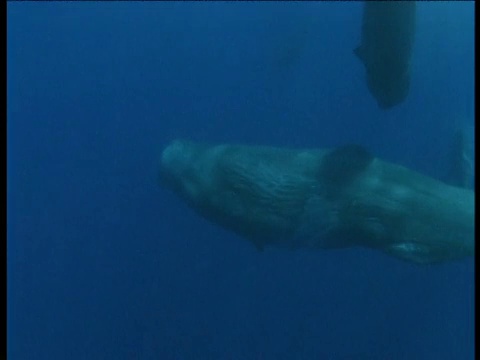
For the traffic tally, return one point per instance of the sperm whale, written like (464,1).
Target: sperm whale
(322,199)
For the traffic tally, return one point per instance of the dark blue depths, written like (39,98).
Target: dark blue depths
(104,264)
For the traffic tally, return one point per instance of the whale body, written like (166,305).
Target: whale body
(322,199)
(388,31)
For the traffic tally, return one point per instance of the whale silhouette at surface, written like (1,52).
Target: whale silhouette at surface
(388,32)
(322,199)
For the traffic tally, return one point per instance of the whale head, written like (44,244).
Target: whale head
(188,169)
(176,168)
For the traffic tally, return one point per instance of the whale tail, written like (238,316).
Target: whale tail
(461,171)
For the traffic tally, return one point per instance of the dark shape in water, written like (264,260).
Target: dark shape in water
(388,32)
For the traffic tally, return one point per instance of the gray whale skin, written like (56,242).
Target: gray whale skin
(322,199)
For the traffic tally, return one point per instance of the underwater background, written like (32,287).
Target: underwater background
(102,263)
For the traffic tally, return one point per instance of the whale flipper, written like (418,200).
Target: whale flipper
(343,163)
(340,166)
(461,169)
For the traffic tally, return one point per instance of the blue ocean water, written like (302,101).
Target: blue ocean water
(104,264)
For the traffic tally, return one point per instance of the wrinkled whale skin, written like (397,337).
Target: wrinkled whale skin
(325,199)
